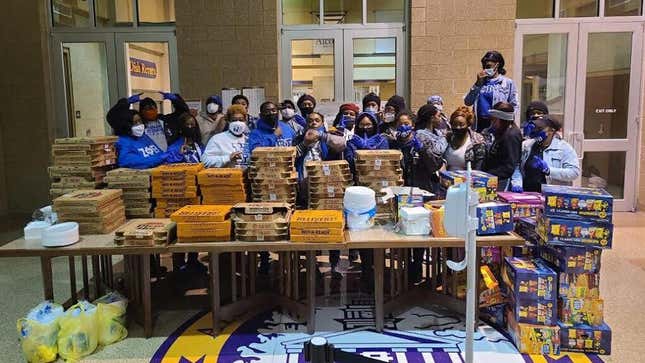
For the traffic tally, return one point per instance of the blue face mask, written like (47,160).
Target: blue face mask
(538,135)
(404,131)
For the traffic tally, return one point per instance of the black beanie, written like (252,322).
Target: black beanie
(536,105)
(147,102)
(371,97)
(397,102)
(304,98)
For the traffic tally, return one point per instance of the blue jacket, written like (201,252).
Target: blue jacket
(503,88)
(174,154)
(376,142)
(264,136)
(139,152)
(564,166)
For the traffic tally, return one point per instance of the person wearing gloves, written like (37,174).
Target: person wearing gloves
(535,110)
(464,144)
(490,88)
(432,147)
(345,120)
(392,108)
(437,101)
(505,141)
(162,129)
(134,148)
(546,158)
(251,121)
(211,121)
(224,150)
(289,115)
(306,104)
(366,137)
(187,148)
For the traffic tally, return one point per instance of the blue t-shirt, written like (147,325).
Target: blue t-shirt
(485,99)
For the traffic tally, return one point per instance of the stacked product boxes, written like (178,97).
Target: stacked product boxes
(203,223)
(259,222)
(273,175)
(96,211)
(317,226)
(136,190)
(379,169)
(222,186)
(484,184)
(174,186)
(326,182)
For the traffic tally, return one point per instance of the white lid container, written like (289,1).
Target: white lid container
(59,235)
(359,207)
(415,221)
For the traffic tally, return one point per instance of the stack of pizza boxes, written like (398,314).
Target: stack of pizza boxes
(203,223)
(379,169)
(97,211)
(260,222)
(174,186)
(135,184)
(222,186)
(326,183)
(80,163)
(317,226)
(146,232)
(273,175)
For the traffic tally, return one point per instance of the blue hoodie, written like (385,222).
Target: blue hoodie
(364,142)
(174,154)
(139,152)
(264,136)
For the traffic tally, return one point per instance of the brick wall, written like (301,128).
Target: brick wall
(227,44)
(24,116)
(448,39)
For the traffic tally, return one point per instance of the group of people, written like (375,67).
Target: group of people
(482,132)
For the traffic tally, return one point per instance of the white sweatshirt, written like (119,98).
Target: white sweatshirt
(219,149)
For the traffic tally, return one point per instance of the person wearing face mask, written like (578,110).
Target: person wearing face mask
(162,129)
(432,147)
(407,142)
(317,144)
(437,101)
(535,110)
(345,121)
(490,88)
(464,144)
(388,127)
(306,103)
(270,130)
(372,103)
(251,121)
(187,148)
(505,140)
(225,150)
(211,121)
(135,149)
(289,115)
(366,137)
(546,158)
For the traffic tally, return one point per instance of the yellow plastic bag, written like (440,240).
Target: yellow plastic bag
(39,331)
(111,310)
(78,335)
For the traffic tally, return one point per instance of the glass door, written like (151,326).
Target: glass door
(312,64)
(147,63)
(85,83)
(373,62)
(606,126)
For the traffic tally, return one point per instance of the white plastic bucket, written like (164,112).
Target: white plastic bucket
(359,207)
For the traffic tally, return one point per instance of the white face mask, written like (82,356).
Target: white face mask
(490,72)
(212,108)
(288,113)
(138,130)
(439,107)
(237,128)
(371,109)
(388,117)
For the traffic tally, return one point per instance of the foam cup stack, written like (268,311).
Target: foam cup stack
(174,186)
(379,169)
(326,183)
(97,211)
(135,184)
(80,163)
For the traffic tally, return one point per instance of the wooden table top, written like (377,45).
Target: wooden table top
(377,237)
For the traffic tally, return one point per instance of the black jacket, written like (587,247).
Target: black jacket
(504,153)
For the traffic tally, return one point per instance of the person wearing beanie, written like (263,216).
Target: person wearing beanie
(393,107)
(211,121)
(225,150)
(162,129)
(345,120)
(490,88)
(135,149)
(372,103)
(291,117)
(535,110)
(546,158)
(505,140)
(306,104)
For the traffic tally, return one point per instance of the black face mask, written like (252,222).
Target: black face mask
(306,110)
(460,132)
(271,119)
(366,132)
(189,132)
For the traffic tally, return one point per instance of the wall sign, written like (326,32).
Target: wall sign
(142,68)
(323,46)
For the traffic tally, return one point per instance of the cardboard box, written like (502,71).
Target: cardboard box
(379,155)
(204,229)
(261,212)
(529,279)
(333,168)
(585,338)
(532,311)
(88,197)
(317,219)
(321,232)
(146,232)
(342,178)
(176,202)
(533,339)
(483,183)
(581,311)
(527,229)
(269,152)
(523,204)
(209,239)
(571,259)
(577,203)
(575,286)
(575,232)
(202,213)
(326,204)
(315,238)
(176,170)
(220,176)
(494,218)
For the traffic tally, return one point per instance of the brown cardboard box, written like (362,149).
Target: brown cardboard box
(326,204)
(379,155)
(202,214)
(317,219)
(210,229)
(88,197)
(220,177)
(146,232)
(274,152)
